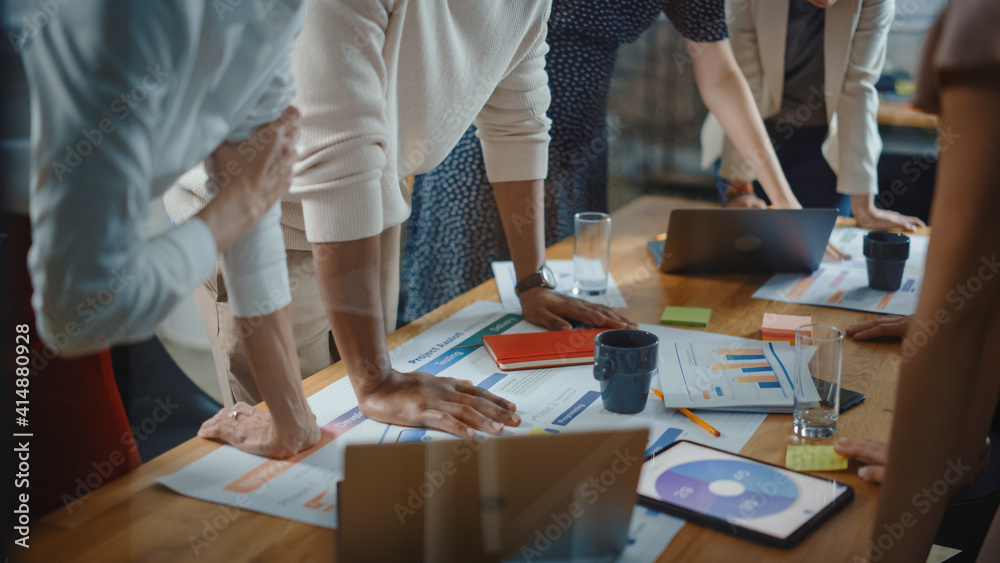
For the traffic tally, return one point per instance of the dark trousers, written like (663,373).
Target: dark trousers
(800,155)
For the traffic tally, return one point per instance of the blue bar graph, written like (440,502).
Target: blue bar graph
(769,385)
(752,370)
(663,441)
(718,391)
(491,380)
(745,357)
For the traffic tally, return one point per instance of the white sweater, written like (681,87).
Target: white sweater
(386,90)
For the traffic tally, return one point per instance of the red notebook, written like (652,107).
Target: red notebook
(542,349)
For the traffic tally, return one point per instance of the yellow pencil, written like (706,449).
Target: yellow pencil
(694,418)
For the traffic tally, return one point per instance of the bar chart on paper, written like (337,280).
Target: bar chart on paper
(703,375)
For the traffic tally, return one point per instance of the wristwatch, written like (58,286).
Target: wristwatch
(542,278)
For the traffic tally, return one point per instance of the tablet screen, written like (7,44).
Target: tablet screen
(735,489)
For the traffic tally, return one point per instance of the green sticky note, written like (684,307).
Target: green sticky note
(686,316)
(814,458)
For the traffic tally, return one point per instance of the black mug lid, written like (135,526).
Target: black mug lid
(881,245)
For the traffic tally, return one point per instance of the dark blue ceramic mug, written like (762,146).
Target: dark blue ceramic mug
(625,363)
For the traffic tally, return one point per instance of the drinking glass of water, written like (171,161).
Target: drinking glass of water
(591,253)
(818,353)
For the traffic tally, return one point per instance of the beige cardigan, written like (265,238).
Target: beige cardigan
(854,45)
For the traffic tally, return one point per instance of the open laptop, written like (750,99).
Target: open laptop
(567,495)
(744,241)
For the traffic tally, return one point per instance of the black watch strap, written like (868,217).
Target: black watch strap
(542,278)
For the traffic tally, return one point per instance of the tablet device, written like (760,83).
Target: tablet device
(746,241)
(738,495)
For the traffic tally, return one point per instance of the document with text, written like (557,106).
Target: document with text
(549,401)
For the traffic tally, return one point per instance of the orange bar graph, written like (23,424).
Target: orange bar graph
(885,300)
(738,366)
(799,288)
(757,379)
(705,394)
(740,351)
(836,296)
(271,468)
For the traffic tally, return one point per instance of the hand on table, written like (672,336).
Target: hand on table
(254,431)
(873,452)
(741,195)
(868,216)
(876,454)
(834,253)
(745,201)
(453,405)
(549,308)
(882,327)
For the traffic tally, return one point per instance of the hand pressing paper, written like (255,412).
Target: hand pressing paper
(814,458)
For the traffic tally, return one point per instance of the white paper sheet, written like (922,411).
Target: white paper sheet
(738,374)
(845,284)
(506,278)
(559,399)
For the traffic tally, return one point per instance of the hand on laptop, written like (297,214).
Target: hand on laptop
(549,308)
(453,405)
(882,327)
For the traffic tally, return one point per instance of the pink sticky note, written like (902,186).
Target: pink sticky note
(774,321)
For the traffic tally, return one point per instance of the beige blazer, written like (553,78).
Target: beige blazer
(854,44)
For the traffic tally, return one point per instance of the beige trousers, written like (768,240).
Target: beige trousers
(310,325)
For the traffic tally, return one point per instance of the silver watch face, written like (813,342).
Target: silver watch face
(548,277)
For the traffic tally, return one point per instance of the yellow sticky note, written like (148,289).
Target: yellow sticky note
(814,458)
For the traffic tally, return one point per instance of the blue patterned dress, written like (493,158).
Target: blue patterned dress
(454,231)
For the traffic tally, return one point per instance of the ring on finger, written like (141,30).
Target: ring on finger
(234,414)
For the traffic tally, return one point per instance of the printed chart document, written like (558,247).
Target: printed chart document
(549,401)
(845,284)
(733,375)
(506,278)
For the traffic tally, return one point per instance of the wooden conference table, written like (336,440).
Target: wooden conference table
(134,519)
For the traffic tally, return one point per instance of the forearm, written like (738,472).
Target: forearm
(348,274)
(862,205)
(727,95)
(522,211)
(939,424)
(229,216)
(270,351)
(948,388)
